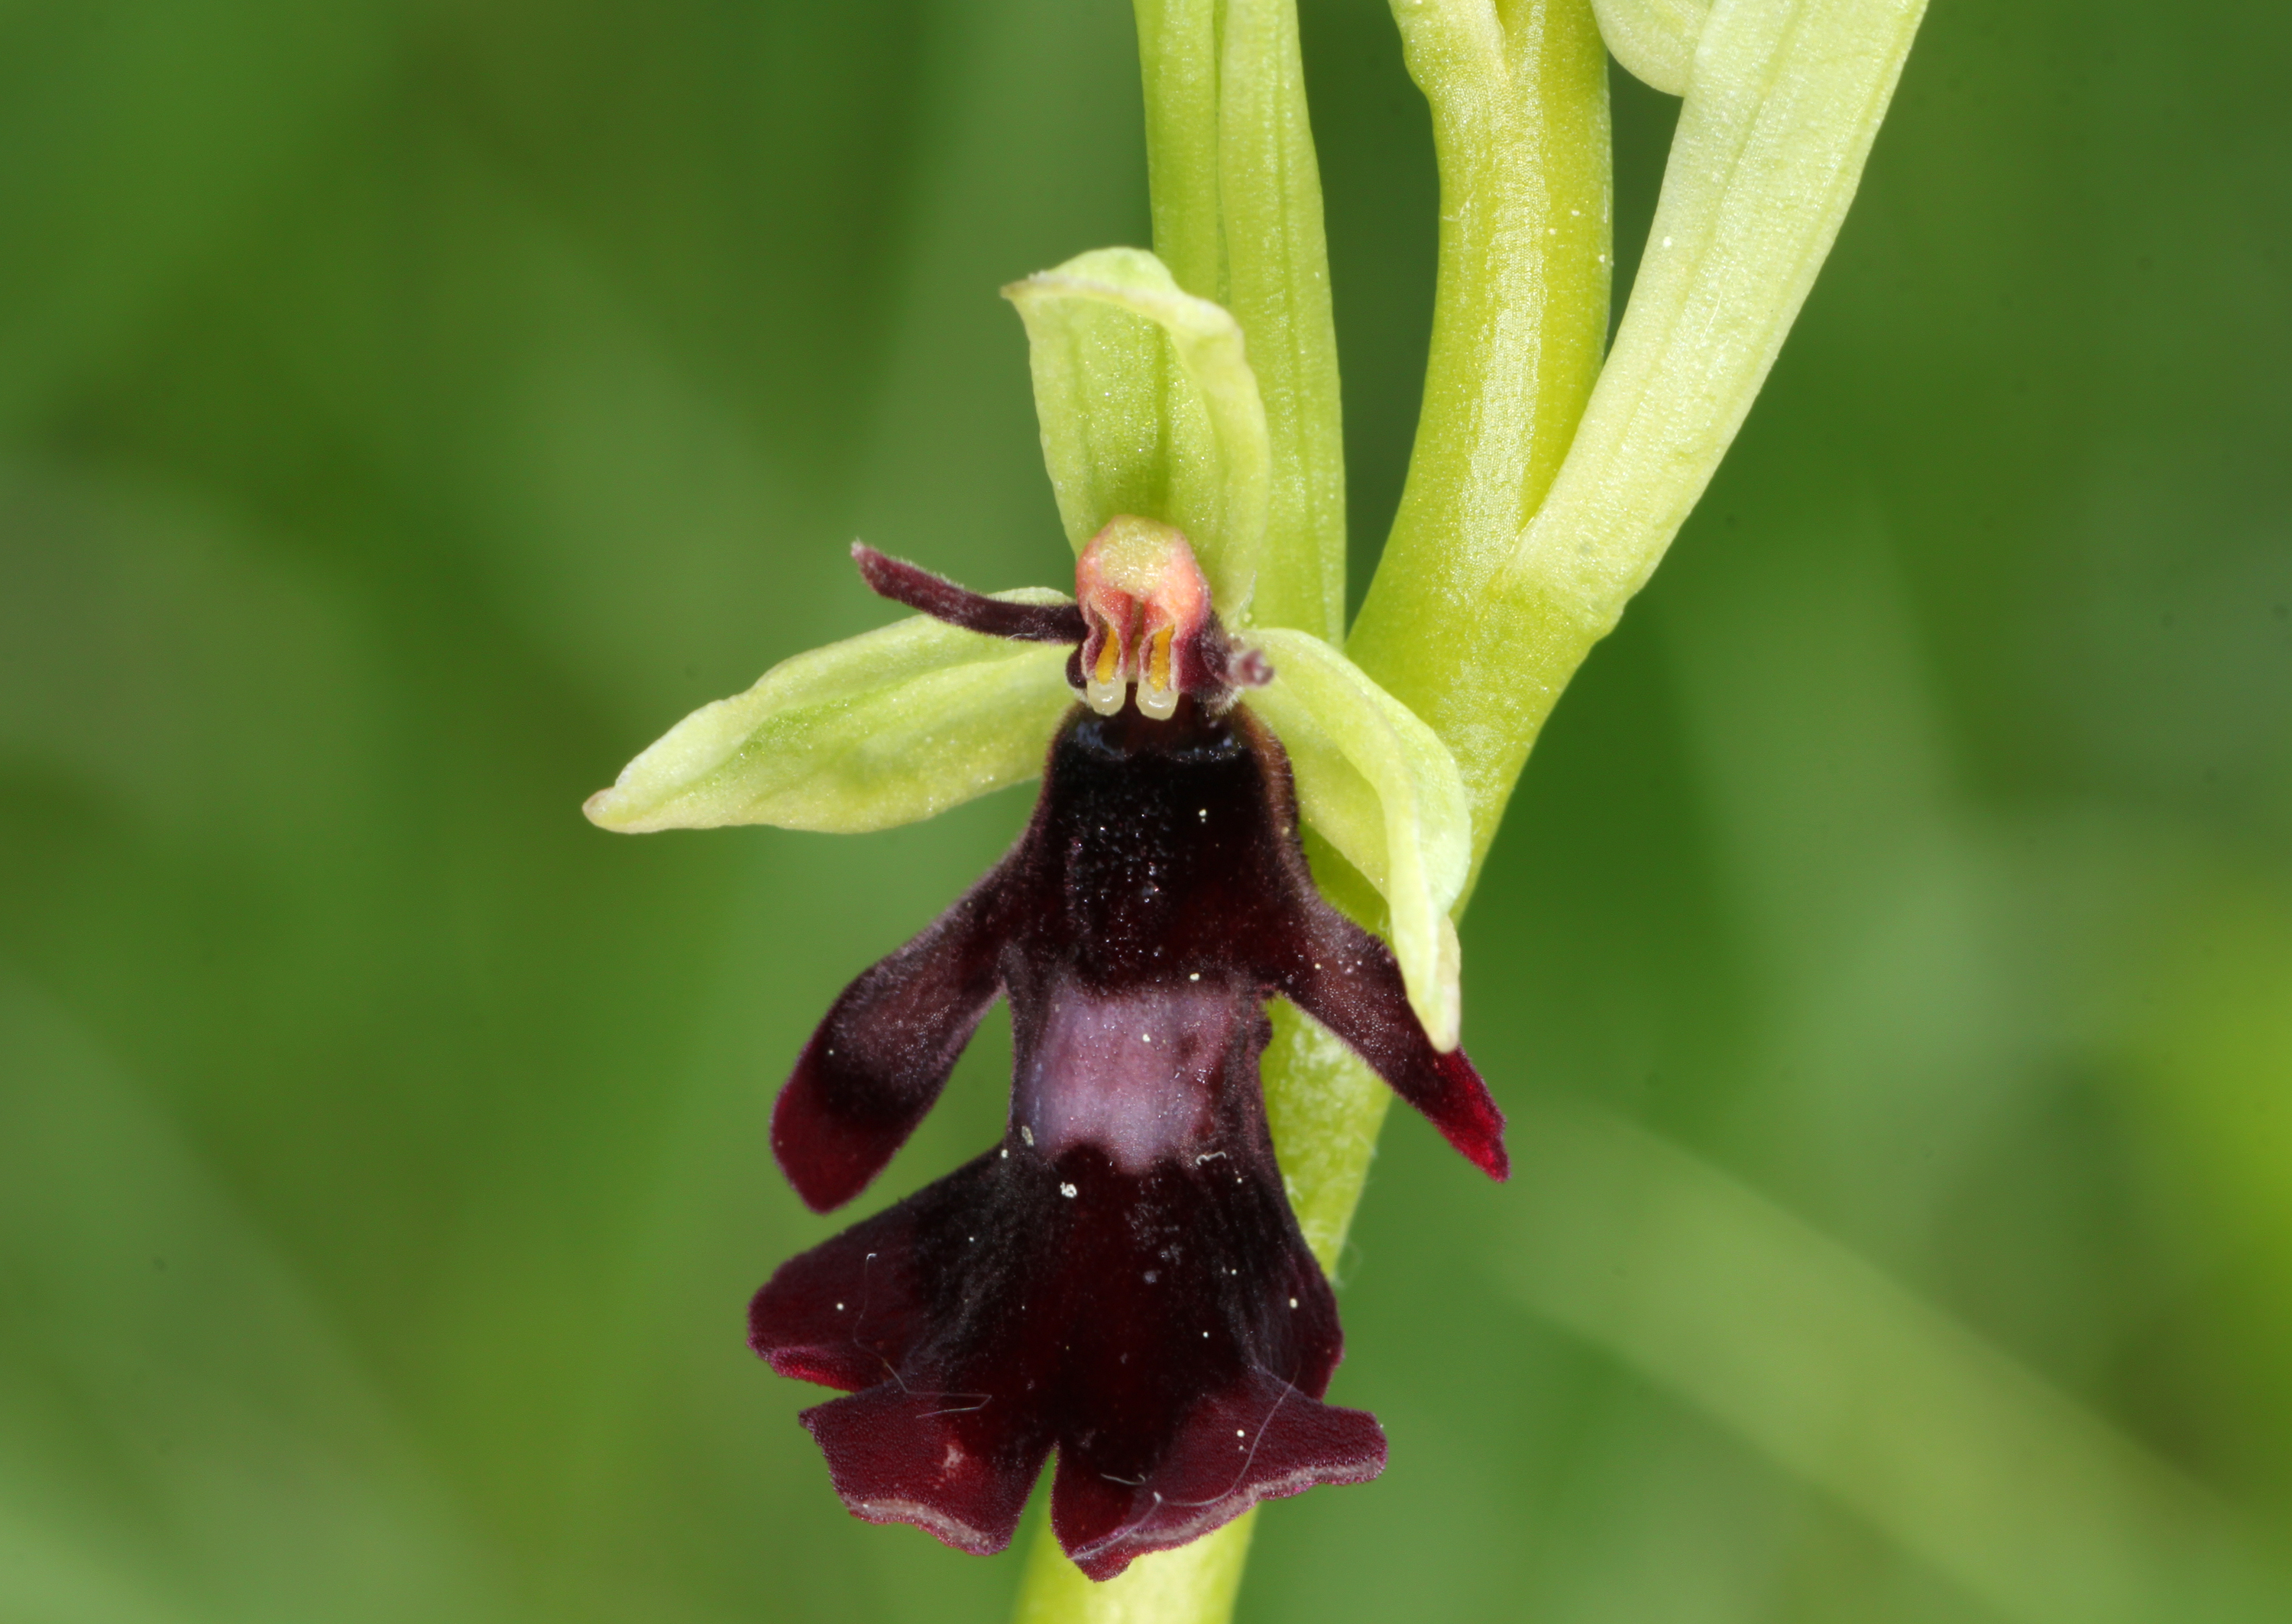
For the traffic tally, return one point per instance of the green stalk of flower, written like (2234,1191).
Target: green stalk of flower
(1519,96)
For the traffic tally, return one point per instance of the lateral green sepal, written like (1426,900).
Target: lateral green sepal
(884,728)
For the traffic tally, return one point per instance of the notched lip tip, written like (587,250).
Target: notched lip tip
(1108,1557)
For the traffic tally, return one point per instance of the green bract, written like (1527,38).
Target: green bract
(1781,108)
(1545,483)
(1654,39)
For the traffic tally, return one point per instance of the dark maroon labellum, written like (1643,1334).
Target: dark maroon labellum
(1120,1280)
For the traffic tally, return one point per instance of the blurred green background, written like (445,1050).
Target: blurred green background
(407,411)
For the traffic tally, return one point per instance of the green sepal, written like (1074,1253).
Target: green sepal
(885,728)
(1148,407)
(1381,787)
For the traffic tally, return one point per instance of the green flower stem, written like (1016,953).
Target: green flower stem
(1520,108)
(1194,1584)
(1782,105)
(1519,124)
(1506,564)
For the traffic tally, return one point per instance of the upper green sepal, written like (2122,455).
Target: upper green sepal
(1383,788)
(1148,407)
(884,728)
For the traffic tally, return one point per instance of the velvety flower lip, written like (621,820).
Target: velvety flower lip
(1121,1279)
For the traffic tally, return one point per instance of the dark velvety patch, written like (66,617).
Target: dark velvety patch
(1121,1279)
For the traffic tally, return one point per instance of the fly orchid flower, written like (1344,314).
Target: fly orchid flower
(1122,1278)
(990,1319)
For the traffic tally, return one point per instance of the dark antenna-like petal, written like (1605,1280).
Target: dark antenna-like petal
(959,606)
